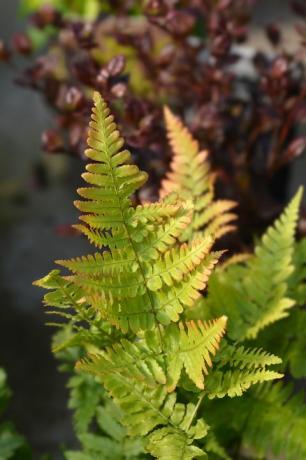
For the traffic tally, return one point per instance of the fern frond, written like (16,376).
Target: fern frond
(278,422)
(297,281)
(256,293)
(247,358)
(190,177)
(176,262)
(213,446)
(128,282)
(270,269)
(235,382)
(191,347)
(238,368)
(126,304)
(148,409)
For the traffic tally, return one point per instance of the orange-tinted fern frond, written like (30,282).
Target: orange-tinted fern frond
(191,178)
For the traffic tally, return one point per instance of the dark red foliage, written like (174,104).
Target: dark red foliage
(184,54)
(5,53)
(22,43)
(273,34)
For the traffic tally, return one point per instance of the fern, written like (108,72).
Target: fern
(297,281)
(191,178)
(256,293)
(136,388)
(12,445)
(125,307)
(110,442)
(267,422)
(287,436)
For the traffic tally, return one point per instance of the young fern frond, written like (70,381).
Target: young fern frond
(130,280)
(191,178)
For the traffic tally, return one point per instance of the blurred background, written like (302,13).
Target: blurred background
(36,194)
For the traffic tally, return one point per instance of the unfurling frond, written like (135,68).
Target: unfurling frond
(191,178)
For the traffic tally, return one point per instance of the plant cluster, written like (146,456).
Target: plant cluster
(12,445)
(165,369)
(185,53)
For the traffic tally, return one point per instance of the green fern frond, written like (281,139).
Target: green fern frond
(147,407)
(235,382)
(256,293)
(237,369)
(189,345)
(191,177)
(212,446)
(270,269)
(297,281)
(247,358)
(278,422)
(110,441)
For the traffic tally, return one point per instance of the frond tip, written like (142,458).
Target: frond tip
(190,176)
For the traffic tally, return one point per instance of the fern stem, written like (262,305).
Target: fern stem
(196,409)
